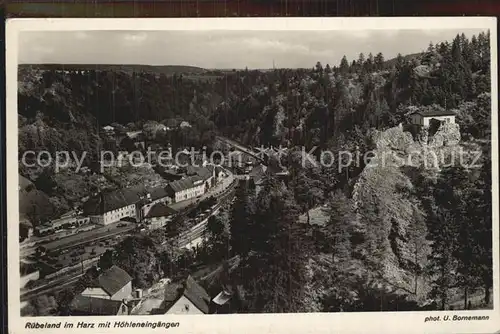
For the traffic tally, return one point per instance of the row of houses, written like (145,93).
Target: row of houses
(67,221)
(149,205)
(112,293)
(135,203)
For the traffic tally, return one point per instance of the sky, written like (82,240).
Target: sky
(222,49)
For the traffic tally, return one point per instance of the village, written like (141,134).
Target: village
(354,182)
(55,254)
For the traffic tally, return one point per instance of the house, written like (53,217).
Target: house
(85,305)
(68,220)
(197,182)
(114,283)
(206,173)
(190,187)
(110,207)
(108,129)
(186,298)
(423,118)
(158,216)
(43,230)
(155,196)
(217,172)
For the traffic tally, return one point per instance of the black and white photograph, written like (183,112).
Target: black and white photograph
(206,168)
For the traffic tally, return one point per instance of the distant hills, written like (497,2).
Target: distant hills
(165,69)
(392,62)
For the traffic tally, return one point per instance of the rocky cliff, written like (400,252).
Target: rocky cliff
(393,246)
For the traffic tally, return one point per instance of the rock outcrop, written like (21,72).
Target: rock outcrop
(394,138)
(448,134)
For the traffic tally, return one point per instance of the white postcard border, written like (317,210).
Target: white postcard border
(386,322)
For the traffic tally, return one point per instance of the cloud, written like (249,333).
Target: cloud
(223,49)
(273,45)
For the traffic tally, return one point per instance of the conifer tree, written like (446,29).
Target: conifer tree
(379,61)
(241,224)
(344,65)
(274,272)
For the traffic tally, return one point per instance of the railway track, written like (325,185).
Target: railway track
(185,238)
(51,287)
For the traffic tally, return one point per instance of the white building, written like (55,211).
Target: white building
(110,207)
(198,181)
(108,128)
(158,216)
(190,187)
(423,118)
(186,298)
(155,196)
(115,284)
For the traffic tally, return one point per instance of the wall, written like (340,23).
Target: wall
(123,310)
(95,292)
(116,215)
(124,293)
(184,306)
(97,220)
(147,207)
(157,222)
(439,118)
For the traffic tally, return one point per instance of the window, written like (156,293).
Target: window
(447,120)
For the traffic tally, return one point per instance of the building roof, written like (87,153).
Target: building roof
(160,210)
(158,192)
(113,280)
(108,201)
(222,298)
(181,185)
(191,290)
(95,306)
(204,172)
(433,113)
(187,183)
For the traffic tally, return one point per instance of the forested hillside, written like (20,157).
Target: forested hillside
(394,236)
